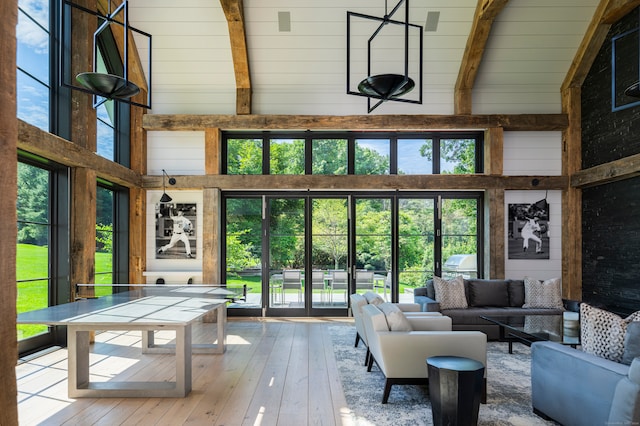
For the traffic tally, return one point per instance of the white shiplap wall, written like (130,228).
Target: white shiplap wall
(179,153)
(535,153)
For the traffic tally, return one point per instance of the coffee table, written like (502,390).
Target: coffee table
(561,328)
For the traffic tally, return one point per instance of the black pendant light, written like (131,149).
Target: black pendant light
(106,86)
(387,86)
(172,181)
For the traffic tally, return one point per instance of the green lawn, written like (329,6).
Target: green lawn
(32,267)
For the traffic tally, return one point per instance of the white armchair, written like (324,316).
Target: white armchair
(409,309)
(401,355)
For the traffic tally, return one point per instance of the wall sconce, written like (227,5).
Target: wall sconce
(172,181)
(389,85)
(100,84)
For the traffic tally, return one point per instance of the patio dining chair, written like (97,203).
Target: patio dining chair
(317,283)
(292,280)
(364,280)
(339,282)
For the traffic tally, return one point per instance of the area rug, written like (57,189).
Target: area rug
(508,388)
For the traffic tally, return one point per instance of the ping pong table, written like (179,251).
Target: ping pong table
(147,308)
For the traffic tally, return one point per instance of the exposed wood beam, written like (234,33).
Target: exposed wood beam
(523,122)
(8,178)
(234,11)
(361,182)
(623,168)
(486,12)
(36,141)
(607,13)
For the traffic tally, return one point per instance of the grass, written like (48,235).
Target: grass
(32,272)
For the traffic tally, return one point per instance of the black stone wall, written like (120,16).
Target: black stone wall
(611,212)
(611,245)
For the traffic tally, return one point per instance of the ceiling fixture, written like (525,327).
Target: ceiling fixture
(172,181)
(392,84)
(105,86)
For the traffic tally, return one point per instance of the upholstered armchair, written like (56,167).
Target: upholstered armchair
(409,309)
(401,355)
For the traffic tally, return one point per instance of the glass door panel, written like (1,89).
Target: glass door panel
(329,252)
(372,257)
(459,237)
(244,250)
(286,238)
(416,243)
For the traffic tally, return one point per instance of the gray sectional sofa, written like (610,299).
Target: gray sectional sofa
(485,297)
(575,388)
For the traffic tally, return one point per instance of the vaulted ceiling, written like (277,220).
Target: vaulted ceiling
(290,56)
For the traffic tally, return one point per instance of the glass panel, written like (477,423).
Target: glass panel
(32,101)
(457,156)
(106,130)
(244,250)
(329,156)
(373,245)
(459,237)
(286,252)
(415,242)
(32,49)
(415,156)
(372,157)
(32,56)
(32,251)
(104,241)
(329,253)
(286,156)
(244,156)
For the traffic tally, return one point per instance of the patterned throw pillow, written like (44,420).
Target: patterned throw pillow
(542,294)
(602,333)
(450,293)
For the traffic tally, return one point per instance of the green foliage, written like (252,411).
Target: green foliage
(104,238)
(244,156)
(286,157)
(33,204)
(239,254)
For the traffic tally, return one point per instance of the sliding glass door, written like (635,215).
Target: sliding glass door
(302,254)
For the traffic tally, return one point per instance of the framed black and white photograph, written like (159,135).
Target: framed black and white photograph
(528,230)
(176,230)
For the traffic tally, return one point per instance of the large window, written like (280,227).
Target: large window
(33,62)
(359,153)
(34,240)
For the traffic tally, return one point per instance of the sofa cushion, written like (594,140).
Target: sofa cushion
(631,343)
(395,318)
(373,298)
(488,293)
(516,293)
(542,294)
(602,333)
(450,293)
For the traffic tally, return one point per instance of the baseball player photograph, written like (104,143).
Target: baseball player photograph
(529,230)
(175,237)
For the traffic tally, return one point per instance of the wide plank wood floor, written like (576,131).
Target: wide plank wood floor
(274,372)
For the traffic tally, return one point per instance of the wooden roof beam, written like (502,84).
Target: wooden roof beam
(234,11)
(486,13)
(607,13)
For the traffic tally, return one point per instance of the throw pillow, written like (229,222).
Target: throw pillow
(373,298)
(542,294)
(516,293)
(488,293)
(602,333)
(395,318)
(631,342)
(450,293)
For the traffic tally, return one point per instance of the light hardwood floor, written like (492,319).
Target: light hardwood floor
(274,372)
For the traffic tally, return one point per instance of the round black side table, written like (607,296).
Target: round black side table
(455,390)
